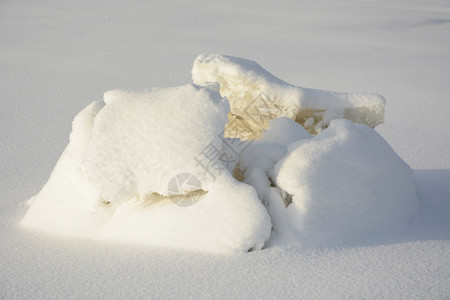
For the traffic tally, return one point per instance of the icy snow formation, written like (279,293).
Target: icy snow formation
(113,181)
(256,96)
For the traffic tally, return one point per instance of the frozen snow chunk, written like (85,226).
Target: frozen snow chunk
(345,183)
(141,140)
(256,96)
(110,182)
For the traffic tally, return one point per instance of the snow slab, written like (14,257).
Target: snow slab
(113,180)
(256,96)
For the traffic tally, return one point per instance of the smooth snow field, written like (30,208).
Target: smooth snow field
(105,105)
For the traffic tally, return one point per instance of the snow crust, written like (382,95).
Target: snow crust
(256,96)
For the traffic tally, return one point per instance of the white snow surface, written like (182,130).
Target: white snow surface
(57,57)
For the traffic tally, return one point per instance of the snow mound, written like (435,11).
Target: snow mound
(345,183)
(161,167)
(113,180)
(256,96)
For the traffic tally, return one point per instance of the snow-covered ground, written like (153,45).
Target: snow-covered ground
(57,57)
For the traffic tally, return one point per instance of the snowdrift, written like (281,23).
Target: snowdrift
(166,167)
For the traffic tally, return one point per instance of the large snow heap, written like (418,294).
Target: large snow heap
(135,160)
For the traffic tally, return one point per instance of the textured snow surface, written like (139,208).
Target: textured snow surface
(57,57)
